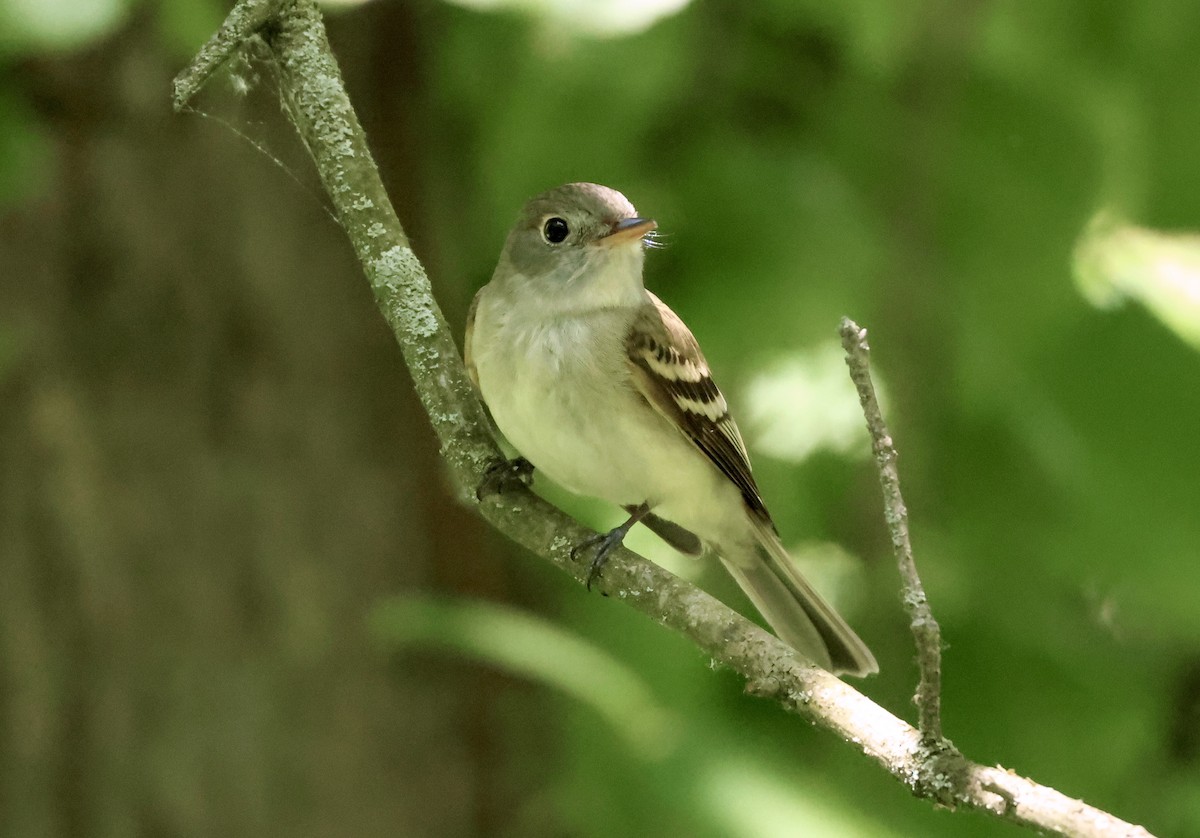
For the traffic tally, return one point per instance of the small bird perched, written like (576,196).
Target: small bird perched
(597,383)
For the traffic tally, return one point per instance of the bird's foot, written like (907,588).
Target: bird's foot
(607,542)
(504,476)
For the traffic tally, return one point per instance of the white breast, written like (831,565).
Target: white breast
(550,389)
(562,394)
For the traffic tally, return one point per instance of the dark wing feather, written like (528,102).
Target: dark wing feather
(669,370)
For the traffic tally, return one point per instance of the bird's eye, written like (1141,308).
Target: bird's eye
(555,230)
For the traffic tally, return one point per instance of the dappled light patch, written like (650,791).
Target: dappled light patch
(803,403)
(1116,261)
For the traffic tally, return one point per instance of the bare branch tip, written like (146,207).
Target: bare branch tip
(854,341)
(849,330)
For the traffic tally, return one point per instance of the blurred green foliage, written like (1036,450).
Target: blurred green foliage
(212,473)
(33,27)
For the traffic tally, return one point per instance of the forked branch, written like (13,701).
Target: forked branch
(316,100)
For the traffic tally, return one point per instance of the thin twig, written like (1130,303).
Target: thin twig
(926,633)
(244,21)
(325,120)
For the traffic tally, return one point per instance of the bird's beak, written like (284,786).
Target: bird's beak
(628,229)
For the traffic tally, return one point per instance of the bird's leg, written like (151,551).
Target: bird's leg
(609,541)
(503,476)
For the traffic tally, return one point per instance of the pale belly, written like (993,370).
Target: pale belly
(584,426)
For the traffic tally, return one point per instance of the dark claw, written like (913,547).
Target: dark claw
(504,476)
(608,542)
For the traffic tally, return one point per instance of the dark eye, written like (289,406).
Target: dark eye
(556,230)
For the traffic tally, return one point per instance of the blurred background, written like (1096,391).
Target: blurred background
(237,596)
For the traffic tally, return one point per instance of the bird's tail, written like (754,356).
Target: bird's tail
(799,615)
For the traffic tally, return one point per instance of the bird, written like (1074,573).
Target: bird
(601,387)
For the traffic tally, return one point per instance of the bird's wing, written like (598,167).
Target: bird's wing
(669,370)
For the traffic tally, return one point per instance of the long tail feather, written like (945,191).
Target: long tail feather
(794,609)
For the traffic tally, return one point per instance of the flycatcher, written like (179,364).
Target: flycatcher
(597,383)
